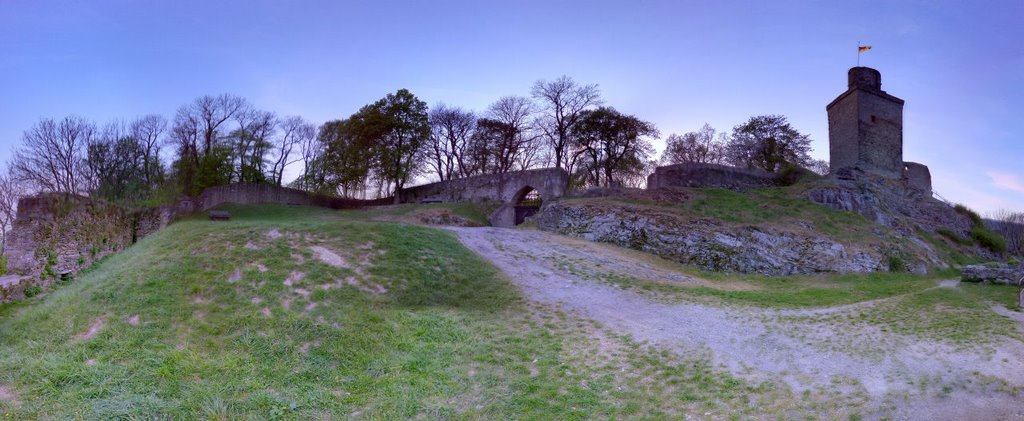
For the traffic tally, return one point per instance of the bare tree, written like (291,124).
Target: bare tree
(148,131)
(699,147)
(197,129)
(1011,226)
(563,100)
(52,155)
(294,132)
(250,143)
(10,192)
(512,138)
(450,131)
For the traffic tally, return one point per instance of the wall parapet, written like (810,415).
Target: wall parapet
(710,175)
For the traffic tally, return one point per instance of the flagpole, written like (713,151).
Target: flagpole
(858,53)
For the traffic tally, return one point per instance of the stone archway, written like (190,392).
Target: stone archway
(527,202)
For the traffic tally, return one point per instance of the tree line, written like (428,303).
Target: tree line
(379,149)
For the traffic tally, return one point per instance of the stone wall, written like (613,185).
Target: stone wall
(265,193)
(709,175)
(918,177)
(55,234)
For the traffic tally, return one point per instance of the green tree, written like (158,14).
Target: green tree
(612,145)
(405,129)
(768,142)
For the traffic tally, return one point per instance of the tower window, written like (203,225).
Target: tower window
(874,119)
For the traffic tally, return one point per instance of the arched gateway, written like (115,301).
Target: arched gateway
(519,189)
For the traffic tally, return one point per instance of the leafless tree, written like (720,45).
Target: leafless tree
(99,153)
(562,102)
(250,143)
(199,126)
(52,155)
(1010,225)
(10,192)
(514,142)
(148,131)
(699,147)
(294,132)
(450,131)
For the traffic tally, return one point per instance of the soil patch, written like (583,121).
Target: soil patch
(329,257)
(93,330)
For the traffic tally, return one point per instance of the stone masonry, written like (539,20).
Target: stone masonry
(865,133)
(865,126)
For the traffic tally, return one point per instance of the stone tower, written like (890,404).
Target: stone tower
(865,127)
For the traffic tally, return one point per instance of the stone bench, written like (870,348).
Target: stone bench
(219,216)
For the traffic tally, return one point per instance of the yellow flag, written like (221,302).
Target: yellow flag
(863,48)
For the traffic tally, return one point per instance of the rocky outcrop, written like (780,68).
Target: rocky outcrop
(892,203)
(710,244)
(992,273)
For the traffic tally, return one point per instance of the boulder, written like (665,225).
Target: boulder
(992,273)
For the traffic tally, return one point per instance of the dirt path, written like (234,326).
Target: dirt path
(752,343)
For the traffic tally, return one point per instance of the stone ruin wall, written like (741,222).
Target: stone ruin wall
(247,194)
(56,234)
(918,177)
(710,175)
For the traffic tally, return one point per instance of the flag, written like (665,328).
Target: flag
(863,48)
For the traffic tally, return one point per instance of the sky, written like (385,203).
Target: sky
(959,65)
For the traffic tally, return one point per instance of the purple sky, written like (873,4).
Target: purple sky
(959,65)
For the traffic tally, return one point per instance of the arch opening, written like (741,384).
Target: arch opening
(527,203)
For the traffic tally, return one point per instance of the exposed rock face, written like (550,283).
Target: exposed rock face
(709,244)
(997,274)
(892,203)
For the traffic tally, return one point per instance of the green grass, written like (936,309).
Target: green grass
(773,205)
(448,339)
(475,213)
(798,291)
(961,316)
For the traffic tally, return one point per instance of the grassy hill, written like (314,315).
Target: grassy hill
(397,321)
(304,313)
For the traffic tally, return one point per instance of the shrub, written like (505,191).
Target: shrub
(964,210)
(896,264)
(33,291)
(988,239)
(956,238)
(3,265)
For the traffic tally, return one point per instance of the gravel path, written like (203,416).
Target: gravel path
(755,344)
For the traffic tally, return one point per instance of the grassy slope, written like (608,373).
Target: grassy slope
(450,338)
(475,213)
(914,306)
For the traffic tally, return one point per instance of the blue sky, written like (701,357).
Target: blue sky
(958,64)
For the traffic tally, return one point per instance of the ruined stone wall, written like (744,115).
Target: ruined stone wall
(54,234)
(709,175)
(265,193)
(549,182)
(918,177)
(148,221)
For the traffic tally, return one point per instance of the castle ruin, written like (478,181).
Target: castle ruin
(865,132)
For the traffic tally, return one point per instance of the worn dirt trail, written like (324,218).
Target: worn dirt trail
(755,344)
